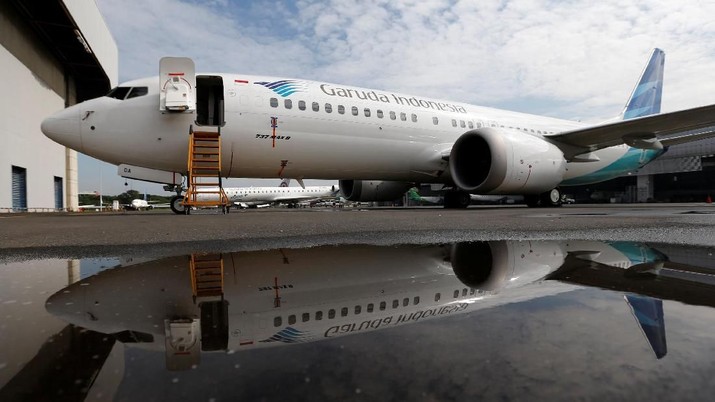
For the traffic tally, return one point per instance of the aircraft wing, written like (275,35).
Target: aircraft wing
(649,132)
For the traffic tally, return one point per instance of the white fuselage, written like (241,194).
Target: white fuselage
(139,204)
(251,196)
(342,132)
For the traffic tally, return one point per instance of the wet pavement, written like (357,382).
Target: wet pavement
(381,304)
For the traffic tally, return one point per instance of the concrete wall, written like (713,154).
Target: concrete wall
(25,102)
(18,39)
(34,85)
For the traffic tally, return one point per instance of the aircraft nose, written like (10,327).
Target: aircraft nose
(63,127)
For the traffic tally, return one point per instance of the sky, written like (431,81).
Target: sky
(572,59)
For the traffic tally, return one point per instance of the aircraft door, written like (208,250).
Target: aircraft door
(177,81)
(209,101)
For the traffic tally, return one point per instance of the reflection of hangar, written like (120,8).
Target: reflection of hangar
(53,54)
(686,173)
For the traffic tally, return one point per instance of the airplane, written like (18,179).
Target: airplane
(260,197)
(377,143)
(414,195)
(276,297)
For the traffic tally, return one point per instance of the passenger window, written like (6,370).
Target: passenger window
(416,301)
(383,305)
(288,104)
(341,109)
(274,102)
(318,315)
(291,319)
(414,118)
(464,292)
(435,121)
(471,292)
(358,310)
(367,112)
(316,107)
(301,105)
(470,124)
(137,92)
(395,303)
(479,124)
(454,123)
(403,116)
(355,111)
(306,317)
(437,296)
(277,321)
(328,108)
(344,312)
(370,308)
(456,294)
(461,124)
(405,302)
(331,313)
(393,116)
(379,114)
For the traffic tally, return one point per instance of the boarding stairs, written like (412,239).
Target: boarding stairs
(204,167)
(206,276)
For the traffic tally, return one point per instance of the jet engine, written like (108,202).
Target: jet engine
(370,190)
(498,161)
(496,265)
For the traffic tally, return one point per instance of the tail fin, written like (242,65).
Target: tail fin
(649,314)
(645,98)
(413,195)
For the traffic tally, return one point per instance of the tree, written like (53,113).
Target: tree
(127,197)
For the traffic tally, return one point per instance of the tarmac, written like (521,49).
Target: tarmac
(157,233)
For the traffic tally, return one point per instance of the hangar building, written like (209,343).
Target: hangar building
(53,54)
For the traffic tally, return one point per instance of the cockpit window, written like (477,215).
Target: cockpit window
(119,92)
(122,93)
(137,91)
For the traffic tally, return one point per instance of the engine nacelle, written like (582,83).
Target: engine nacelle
(498,161)
(495,265)
(370,190)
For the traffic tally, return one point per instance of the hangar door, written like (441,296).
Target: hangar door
(59,204)
(19,188)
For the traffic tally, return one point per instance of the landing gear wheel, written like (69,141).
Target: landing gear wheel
(176,205)
(551,198)
(456,200)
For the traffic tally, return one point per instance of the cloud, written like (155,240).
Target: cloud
(574,60)
(582,56)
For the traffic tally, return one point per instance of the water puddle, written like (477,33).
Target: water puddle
(411,321)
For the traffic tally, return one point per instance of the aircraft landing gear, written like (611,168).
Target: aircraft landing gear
(456,199)
(176,205)
(551,198)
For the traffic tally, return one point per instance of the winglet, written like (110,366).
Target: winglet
(645,98)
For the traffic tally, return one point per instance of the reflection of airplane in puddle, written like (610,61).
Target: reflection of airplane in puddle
(255,299)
